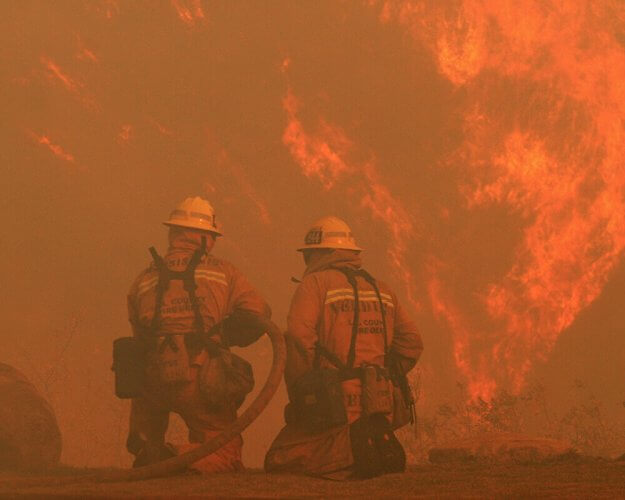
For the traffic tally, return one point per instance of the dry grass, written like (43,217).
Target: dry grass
(580,478)
(584,424)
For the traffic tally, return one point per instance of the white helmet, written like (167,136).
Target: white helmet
(330,232)
(194,213)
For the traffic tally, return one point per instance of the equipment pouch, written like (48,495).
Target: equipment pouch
(172,359)
(226,378)
(129,367)
(403,399)
(376,390)
(317,400)
(402,413)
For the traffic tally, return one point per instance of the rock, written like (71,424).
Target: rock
(29,435)
(502,447)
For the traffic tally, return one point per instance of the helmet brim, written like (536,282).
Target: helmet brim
(191,226)
(333,247)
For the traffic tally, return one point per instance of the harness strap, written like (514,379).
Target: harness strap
(371,280)
(320,350)
(190,286)
(351,355)
(162,285)
(168,342)
(329,355)
(165,275)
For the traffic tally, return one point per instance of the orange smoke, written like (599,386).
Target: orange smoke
(325,155)
(544,139)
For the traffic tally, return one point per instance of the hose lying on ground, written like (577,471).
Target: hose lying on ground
(180,462)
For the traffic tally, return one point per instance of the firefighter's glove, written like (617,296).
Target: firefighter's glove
(399,364)
(242,328)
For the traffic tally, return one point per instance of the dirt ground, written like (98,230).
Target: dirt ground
(582,478)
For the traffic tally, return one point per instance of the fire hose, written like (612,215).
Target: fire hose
(180,462)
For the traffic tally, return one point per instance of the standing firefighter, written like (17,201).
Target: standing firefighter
(349,348)
(186,309)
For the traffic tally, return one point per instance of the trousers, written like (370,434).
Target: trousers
(149,420)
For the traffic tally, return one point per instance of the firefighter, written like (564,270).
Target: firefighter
(349,347)
(186,309)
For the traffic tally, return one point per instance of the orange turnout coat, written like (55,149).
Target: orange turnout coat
(221,290)
(322,310)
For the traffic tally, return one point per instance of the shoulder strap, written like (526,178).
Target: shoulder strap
(190,285)
(351,355)
(351,274)
(371,280)
(165,275)
(162,285)
(329,355)
(320,350)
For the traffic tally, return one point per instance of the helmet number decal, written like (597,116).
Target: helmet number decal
(314,236)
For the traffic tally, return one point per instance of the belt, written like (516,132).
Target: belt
(356,373)
(194,342)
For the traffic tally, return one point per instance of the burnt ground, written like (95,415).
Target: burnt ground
(580,478)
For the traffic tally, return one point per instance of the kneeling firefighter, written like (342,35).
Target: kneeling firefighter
(349,348)
(186,309)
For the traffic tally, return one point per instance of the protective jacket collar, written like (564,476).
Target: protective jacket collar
(337,258)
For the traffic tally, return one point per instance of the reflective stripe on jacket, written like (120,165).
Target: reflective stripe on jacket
(221,289)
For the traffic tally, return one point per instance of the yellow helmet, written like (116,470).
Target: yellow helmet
(330,232)
(194,213)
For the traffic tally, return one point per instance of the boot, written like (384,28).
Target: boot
(151,454)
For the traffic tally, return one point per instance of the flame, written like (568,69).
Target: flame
(191,13)
(383,206)
(108,8)
(57,150)
(319,156)
(162,129)
(85,54)
(55,72)
(543,139)
(480,382)
(225,161)
(325,155)
(125,134)
(285,65)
